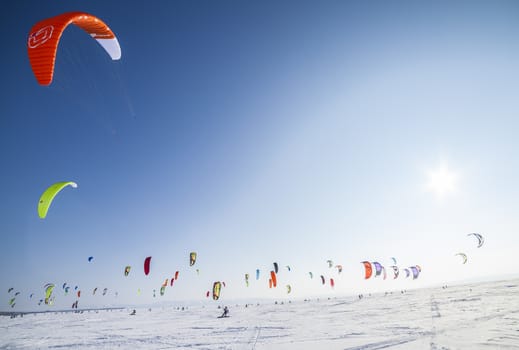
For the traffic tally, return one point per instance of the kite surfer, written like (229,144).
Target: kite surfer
(225,312)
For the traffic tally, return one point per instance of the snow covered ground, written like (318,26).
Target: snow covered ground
(476,316)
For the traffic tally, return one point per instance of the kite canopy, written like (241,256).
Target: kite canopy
(147,265)
(378,268)
(480,238)
(217,287)
(192,258)
(368,269)
(463,256)
(415,272)
(396,271)
(273,278)
(48,196)
(44,37)
(49,287)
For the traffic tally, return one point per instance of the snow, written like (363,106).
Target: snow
(475,316)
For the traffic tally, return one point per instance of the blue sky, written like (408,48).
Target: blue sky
(254,132)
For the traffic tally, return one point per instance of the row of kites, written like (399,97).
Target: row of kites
(217,286)
(49,295)
(381,270)
(371,269)
(49,287)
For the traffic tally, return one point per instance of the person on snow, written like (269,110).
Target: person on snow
(225,312)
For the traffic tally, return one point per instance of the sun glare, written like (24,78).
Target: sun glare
(442,181)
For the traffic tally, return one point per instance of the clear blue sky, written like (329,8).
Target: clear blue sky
(254,132)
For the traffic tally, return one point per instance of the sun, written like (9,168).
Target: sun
(442,181)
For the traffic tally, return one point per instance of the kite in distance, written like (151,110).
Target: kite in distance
(192,258)
(378,268)
(416,271)
(480,238)
(273,278)
(44,37)
(396,271)
(147,265)
(49,287)
(48,196)
(217,287)
(368,269)
(463,256)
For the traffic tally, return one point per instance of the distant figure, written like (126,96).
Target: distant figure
(225,312)
(133,312)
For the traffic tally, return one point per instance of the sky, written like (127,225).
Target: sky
(257,132)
